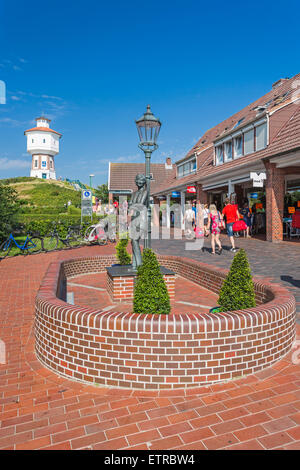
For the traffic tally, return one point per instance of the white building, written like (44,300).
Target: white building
(43,145)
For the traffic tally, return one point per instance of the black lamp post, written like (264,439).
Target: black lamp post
(148,127)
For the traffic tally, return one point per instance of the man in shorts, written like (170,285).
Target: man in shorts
(232,215)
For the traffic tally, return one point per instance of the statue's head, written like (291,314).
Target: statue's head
(140,180)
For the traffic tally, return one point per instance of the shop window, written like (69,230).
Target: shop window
(238,146)
(261,136)
(249,142)
(228,150)
(219,155)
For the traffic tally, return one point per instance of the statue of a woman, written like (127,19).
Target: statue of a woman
(138,223)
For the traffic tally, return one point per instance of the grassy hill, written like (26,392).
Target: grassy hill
(45,197)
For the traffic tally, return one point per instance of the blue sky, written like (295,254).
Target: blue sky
(92,67)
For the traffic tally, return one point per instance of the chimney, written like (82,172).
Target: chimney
(168,164)
(279,82)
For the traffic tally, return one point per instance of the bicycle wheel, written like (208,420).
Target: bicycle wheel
(102,240)
(34,245)
(5,248)
(50,242)
(73,240)
(90,234)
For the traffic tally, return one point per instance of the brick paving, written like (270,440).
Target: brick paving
(40,410)
(189,297)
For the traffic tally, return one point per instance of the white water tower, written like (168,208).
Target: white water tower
(43,145)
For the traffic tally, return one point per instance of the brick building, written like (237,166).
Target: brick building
(262,138)
(121,176)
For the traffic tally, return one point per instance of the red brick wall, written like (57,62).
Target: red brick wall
(274,202)
(202,196)
(156,351)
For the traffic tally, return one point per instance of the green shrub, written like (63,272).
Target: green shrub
(122,254)
(237,291)
(150,291)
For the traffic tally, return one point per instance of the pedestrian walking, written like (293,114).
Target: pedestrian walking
(232,215)
(206,219)
(246,213)
(216,224)
(189,221)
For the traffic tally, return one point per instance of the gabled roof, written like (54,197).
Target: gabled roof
(122,175)
(43,129)
(284,132)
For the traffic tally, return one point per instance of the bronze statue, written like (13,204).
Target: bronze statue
(138,223)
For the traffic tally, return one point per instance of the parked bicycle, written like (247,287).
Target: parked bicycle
(32,244)
(100,233)
(53,238)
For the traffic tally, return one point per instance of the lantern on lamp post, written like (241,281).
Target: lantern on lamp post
(148,127)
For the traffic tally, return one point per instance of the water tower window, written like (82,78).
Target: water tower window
(44,141)
(32,140)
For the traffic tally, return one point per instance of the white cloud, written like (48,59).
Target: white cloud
(7,164)
(11,122)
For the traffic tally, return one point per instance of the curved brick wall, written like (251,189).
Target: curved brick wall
(155,351)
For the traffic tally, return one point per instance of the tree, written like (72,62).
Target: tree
(150,291)
(9,205)
(237,291)
(102,193)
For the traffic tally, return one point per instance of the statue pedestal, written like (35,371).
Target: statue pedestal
(121,279)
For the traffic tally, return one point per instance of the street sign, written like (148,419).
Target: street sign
(86,203)
(254,195)
(86,194)
(175,194)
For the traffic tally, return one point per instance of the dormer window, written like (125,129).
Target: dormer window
(249,142)
(219,155)
(228,150)
(251,138)
(238,146)
(186,168)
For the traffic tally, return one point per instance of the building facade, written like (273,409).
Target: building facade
(43,145)
(121,177)
(255,150)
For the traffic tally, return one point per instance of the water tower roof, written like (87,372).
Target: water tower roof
(42,129)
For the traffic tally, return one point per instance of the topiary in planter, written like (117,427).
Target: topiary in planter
(122,254)
(150,291)
(237,291)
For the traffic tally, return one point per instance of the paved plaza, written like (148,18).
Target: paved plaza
(40,410)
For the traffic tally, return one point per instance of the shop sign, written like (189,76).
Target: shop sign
(258,179)
(175,194)
(254,195)
(191,189)
(291,210)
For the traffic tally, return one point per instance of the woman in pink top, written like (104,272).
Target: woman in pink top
(215,220)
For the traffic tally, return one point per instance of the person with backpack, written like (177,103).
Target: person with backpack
(216,224)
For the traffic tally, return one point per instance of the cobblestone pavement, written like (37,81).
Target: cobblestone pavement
(40,410)
(277,262)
